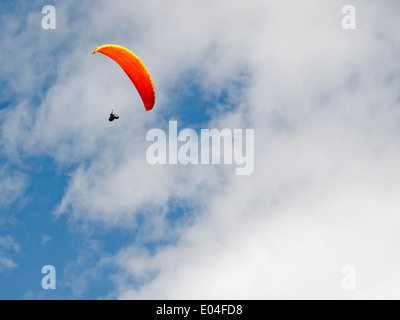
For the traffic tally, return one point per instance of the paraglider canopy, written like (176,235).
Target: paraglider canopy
(135,69)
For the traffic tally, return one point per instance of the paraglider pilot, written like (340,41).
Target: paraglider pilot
(112,116)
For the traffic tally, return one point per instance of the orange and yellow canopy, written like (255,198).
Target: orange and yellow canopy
(135,69)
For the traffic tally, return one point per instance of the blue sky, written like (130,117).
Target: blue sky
(77,192)
(40,236)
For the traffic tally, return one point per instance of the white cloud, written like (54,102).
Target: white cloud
(323,194)
(6,263)
(323,102)
(12,185)
(7,246)
(8,243)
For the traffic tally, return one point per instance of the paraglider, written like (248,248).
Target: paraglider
(135,70)
(112,116)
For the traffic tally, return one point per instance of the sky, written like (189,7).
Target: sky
(316,218)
